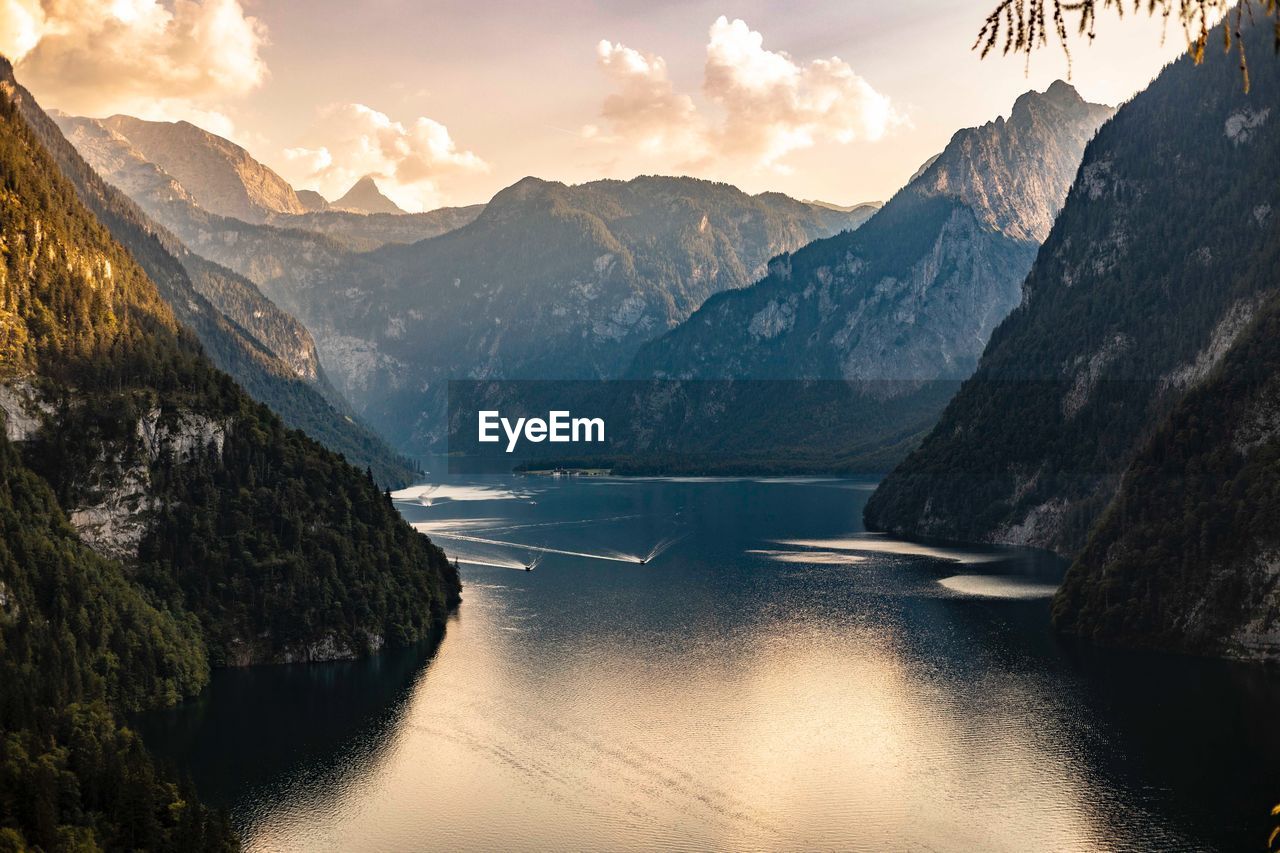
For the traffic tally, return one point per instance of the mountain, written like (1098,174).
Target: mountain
(1141,362)
(155,520)
(276,545)
(549,281)
(364,232)
(82,646)
(1187,555)
(864,209)
(365,197)
(914,293)
(275,237)
(267,350)
(220,175)
(312,201)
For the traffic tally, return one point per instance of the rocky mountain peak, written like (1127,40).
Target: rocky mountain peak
(1015,174)
(365,197)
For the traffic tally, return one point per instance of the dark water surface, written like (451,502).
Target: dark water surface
(774,679)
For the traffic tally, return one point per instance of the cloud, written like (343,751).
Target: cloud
(768,105)
(646,110)
(350,141)
(143,57)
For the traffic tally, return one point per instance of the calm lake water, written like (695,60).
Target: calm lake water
(772,678)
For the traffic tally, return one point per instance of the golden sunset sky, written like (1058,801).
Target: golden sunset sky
(447,101)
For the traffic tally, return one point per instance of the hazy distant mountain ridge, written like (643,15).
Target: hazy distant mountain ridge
(221,176)
(233,241)
(550,281)
(364,232)
(915,292)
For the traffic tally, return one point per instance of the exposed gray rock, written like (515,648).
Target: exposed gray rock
(915,293)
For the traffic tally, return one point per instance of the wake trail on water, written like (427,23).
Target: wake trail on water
(663,545)
(515,565)
(506,527)
(615,557)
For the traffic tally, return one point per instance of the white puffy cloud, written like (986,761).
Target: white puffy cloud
(143,57)
(350,141)
(768,105)
(646,110)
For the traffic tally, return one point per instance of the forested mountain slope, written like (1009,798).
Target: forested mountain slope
(1161,256)
(915,292)
(80,644)
(279,548)
(1187,556)
(268,351)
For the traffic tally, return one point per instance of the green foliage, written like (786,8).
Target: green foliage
(109,353)
(285,549)
(78,644)
(268,351)
(1198,504)
(271,545)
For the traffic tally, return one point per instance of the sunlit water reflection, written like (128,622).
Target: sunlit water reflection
(772,679)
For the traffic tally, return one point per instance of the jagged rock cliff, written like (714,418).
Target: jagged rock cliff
(1187,555)
(269,351)
(550,281)
(915,292)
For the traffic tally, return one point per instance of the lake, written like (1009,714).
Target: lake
(771,677)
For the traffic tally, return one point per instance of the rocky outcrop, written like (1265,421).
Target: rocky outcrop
(117,517)
(23,411)
(1187,555)
(266,349)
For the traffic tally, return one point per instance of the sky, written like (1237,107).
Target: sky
(446,102)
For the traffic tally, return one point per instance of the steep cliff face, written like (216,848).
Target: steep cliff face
(1157,261)
(220,176)
(914,293)
(119,162)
